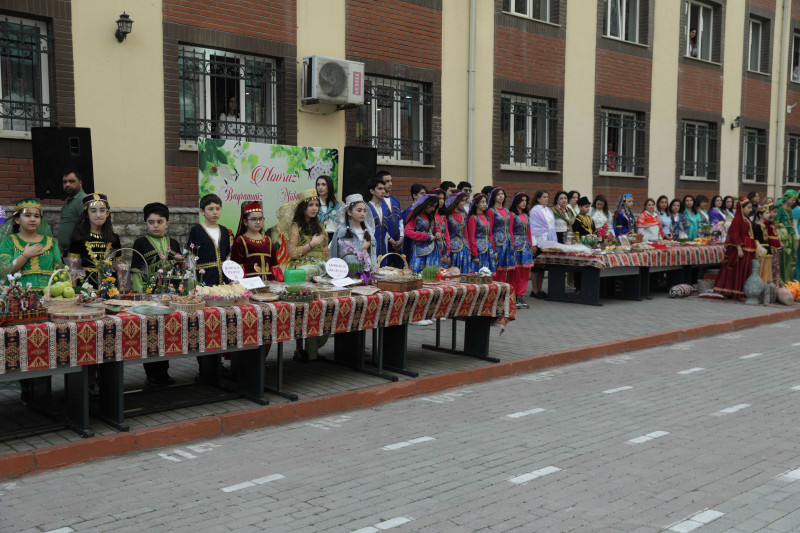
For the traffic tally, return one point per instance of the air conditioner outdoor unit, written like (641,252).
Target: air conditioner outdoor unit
(332,81)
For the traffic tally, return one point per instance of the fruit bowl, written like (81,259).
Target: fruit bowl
(59,293)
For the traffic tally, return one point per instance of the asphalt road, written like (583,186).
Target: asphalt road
(701,436)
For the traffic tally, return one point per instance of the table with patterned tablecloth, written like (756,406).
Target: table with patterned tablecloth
(673,256)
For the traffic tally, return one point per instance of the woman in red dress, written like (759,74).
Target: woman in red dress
(251,248)
(739,253)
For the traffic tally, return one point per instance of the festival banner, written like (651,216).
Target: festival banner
(240,172)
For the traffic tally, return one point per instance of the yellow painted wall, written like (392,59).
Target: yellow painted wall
(579,119)
(320,31)
(119,94)
(731,140)
(455,84)
(664,99)
(484,93)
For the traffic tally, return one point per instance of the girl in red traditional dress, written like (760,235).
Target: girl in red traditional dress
(251,248)
(739,253)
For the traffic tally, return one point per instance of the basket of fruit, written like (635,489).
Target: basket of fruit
(59,290)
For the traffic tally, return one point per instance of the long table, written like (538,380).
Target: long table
(631,269)
(46,349)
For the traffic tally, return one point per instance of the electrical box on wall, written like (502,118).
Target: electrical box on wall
(332,81)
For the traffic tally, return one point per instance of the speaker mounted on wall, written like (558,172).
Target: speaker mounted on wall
(57,150)
(360,166)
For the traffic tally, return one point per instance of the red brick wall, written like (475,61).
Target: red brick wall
(766,4)
(16,180)
(181,185)
(699,89)
(264,19)
(755,99)
(623,75)
(793,118)
(395,31)
(527,57)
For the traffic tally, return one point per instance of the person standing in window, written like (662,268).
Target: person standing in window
(611,158)
(20,100)
(230,127)
(691,46)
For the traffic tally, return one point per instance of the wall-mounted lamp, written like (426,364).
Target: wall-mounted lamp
(736,122)
(789,108)
(124,25)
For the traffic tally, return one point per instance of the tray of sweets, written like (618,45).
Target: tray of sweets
(76,313)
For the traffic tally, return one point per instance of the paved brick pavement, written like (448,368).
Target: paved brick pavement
(700,435)
(544,328)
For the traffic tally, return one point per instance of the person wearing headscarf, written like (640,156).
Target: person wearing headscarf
(740,250)
(28,246)
(424,232)
(154,247)
(251,248)
(624,221)
(457,230)
(93,237)
(784,222)
(355,233)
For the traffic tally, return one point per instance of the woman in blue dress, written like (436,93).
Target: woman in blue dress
(692,215)
(479,235)
(523,247)
(624,221)
(457,229)
(501,234)
(423,232)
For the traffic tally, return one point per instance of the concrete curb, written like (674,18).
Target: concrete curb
(53,457)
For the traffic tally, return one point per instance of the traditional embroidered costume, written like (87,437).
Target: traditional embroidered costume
(457,231)
(94,248)
(735,270)
(312,261)
(382,217)
(210,252)
(481,242)
(348,248)
(254,255)
(785,224)
(775,249)
(154,250)
(501,236)
(420,229)
(583,225)
(36,270)
(624,221)
(523,247)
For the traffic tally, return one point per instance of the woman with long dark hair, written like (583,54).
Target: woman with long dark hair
(457,230)
(523,247)
(600,214)
(328,205)
(563,215)
(501,234)
(422,229)
(479,235)
(543,229)
(678,224)
(93,237)
(692,214)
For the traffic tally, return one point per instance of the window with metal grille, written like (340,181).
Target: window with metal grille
(699,150)
(528,127)
(622,141)
(621,19)
(25,77)
(535,9)
(396,119)
(754,160)
(228,96)
(793,160)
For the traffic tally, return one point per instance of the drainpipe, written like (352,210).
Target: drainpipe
(473,6)
(782,78)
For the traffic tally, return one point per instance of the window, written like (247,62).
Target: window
(529,132)
(536,9)
(699,150)
(396,119)
(622,19)
(754,161)
(793,160)
(622,142)
(228,96)
(25,59)
(754,55)
(699,31)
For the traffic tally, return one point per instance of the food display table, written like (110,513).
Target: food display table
(631,269)
(246,332)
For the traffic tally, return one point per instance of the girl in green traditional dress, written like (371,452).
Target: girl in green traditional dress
(785,224)
(29,246)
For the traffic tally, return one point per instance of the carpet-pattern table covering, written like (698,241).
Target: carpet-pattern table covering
(124,336)
(674,256)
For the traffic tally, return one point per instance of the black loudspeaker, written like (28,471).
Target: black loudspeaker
(360,166)
(56,150)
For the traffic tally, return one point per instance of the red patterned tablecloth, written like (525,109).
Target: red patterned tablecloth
(124,336)
(674,256)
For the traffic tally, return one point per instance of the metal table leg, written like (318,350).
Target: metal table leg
(279,379)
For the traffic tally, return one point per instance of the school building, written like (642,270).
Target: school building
(603,96)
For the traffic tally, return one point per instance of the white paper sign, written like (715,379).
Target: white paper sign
(233,270)
(336,268)
(254,282)
(344,282)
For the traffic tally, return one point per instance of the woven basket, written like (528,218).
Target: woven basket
(49,301)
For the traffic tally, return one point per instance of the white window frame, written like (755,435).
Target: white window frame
(397,122)
(205,88)
(622,22)
(794,74)
(528,131)
(703,26)
(528,10)
(792,149)
(45,80)
(751,27)
(697,139)
(623,115)
(755,164)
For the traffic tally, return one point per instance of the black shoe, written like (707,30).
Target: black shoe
(541,295)
(533,294)
(160,381)
(301,356)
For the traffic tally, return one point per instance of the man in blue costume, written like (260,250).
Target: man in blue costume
(396,222)
(381,213)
